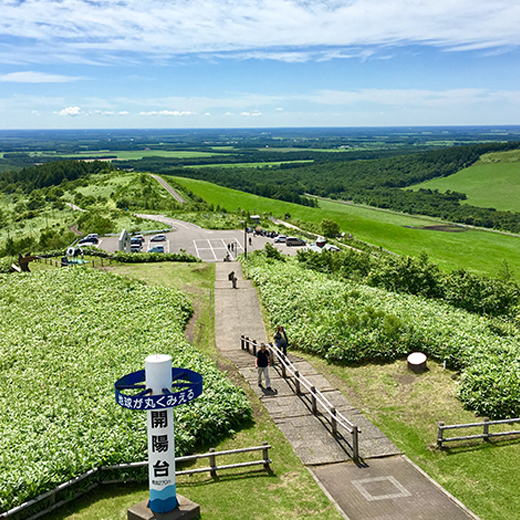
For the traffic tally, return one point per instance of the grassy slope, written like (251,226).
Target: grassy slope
(289,493)
(481,251)
(492,182)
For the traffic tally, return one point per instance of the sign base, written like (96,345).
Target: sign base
(186,510)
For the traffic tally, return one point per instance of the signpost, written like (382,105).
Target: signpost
(160,388)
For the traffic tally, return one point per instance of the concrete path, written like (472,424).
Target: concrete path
(385,485)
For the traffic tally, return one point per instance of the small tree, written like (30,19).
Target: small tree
(329,228)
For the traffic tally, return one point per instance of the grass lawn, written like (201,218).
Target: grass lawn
(492,182)
(481,251)
(288,492)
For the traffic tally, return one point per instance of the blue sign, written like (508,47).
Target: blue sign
(188,383)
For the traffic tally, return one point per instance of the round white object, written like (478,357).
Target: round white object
(417,358)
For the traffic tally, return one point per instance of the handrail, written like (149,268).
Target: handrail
(335,416)
(486,423)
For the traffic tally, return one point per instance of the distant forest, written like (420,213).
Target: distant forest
(373,182)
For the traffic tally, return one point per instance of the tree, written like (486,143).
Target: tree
(329,228)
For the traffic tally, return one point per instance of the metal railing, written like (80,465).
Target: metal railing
(94,474)
(485,424)
(316,396)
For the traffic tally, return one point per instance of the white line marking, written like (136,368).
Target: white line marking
(403,492)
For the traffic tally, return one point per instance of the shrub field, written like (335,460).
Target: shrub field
(347,322)
(66,336)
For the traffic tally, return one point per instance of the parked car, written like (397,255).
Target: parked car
(135,248)
(136,240)
(88,241)
(156,249)
(158,238)
(294,241)
(138,237)
(280,239)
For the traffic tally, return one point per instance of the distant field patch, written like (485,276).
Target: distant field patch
(492,182)
(247,165)
(136,155)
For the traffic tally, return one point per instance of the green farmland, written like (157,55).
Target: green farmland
(481,251)
(134,155)
(492,182)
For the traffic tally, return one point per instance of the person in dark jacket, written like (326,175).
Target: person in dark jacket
(280,340)
(262,363)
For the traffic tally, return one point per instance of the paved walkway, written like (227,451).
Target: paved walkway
(385,485)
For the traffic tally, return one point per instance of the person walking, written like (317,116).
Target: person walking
(280,340)
(262,363)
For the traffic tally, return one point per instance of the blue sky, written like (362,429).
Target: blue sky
(258,63)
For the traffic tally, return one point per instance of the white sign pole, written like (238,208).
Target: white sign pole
(161,439)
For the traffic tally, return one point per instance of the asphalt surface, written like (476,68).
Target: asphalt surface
(207,244)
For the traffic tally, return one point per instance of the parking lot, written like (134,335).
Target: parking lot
(207,244)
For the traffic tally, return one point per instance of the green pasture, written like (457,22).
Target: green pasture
(492,182)
(482,251)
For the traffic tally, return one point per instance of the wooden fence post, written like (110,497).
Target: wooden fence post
(247,344)
(273,350)
(265,455)
(333,422)
(355,444)
(284,371)
(297,381)
(254,348)
(242,347)
(486,428)
(439,435)
(313,400)
(213,463)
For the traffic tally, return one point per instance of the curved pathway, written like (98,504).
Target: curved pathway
(385,485)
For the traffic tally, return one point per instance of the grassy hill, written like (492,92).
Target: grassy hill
(478,250)
(492,182)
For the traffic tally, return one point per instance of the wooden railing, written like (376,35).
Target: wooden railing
(486,434)
(316,396)
(94,475)
(56,261)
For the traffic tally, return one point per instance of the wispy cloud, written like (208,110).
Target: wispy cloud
(268,29)
(37,77)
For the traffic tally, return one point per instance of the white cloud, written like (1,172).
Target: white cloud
(37,77)
(174,113)
(123,113)
(72,30)
(70,111)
